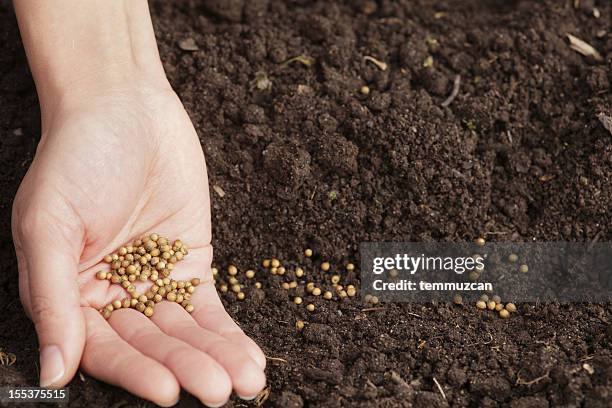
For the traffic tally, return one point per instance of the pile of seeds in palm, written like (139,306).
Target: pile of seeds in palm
(150,258)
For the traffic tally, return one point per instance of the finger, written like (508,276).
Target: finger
(197,372)
(111,359)
(210,314)
(248,378)
(52,295)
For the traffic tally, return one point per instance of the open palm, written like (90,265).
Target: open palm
(121,164)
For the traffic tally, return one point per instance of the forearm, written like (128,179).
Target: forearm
(76,45)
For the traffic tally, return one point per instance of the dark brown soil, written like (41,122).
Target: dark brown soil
(306,160)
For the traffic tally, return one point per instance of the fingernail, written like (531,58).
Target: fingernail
(216,405)
(247,398)
(51,365)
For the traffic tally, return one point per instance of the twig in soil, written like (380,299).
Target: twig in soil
(302,59)
(277,359)
(454,92)
(373,309)
(219,191)
(415,315)
(520,381)
(379,64)
(262,397)
(440,388)
(583,48)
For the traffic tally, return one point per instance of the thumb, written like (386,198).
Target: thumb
(48,265)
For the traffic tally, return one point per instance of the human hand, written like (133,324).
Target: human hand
(113,164)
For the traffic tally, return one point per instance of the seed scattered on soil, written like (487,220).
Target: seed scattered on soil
(457,299)
(504,314)
(584,48)
(480,241)
(512,258)
(310,307)
(308,252)
(523,268)
(511,307)
(364,90)
(299,325)
(325,266)
(481,305)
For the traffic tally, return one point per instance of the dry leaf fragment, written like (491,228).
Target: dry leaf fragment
(606,121)
(219,191)
(583,48)
(381,65)
(188,44)
(302,59)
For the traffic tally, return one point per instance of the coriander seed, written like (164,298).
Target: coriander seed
(325,266)
(523,268)
(297,300)
(481,305)
(310,307)
(504,314)
(299,324)
(308,252)
(250,274)
(511,307)
(240,295)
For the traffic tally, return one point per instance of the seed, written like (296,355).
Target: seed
(250,274)
(214,271)
(273,271)
(191,289)
(285,285)
(496,299)
(236,288)
(350,267)
(266,263)
(148,311)
(351,291)
(240,295)
(457,299)
(232,270)
(154,237)
(280,270)
(374,300)
(335,279)
(101,275)
(293,285)
(365,90)
(473,276)
(178,244)
(106,313)
(140,306)
(131,269)
(484,298)
(297,300)
(308,252)
(491,305)
(117,304)
(258,285)
(480,241)
(481,305)
(504,314)
(299,324)
(499,307)
(325,266)
(133,302)
(309,287)
(342,294)
(393,273)
(275,263)
(223,288)
(310,307)
(142,298)
(513,258)
(523,268)
(157,298)
(316,291)
(108,259)
(189,308)
(233,281)
(126,302)
(511,307)
(171,296)
(299,272)
(328,295)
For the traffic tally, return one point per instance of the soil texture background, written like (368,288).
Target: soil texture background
(300,157)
